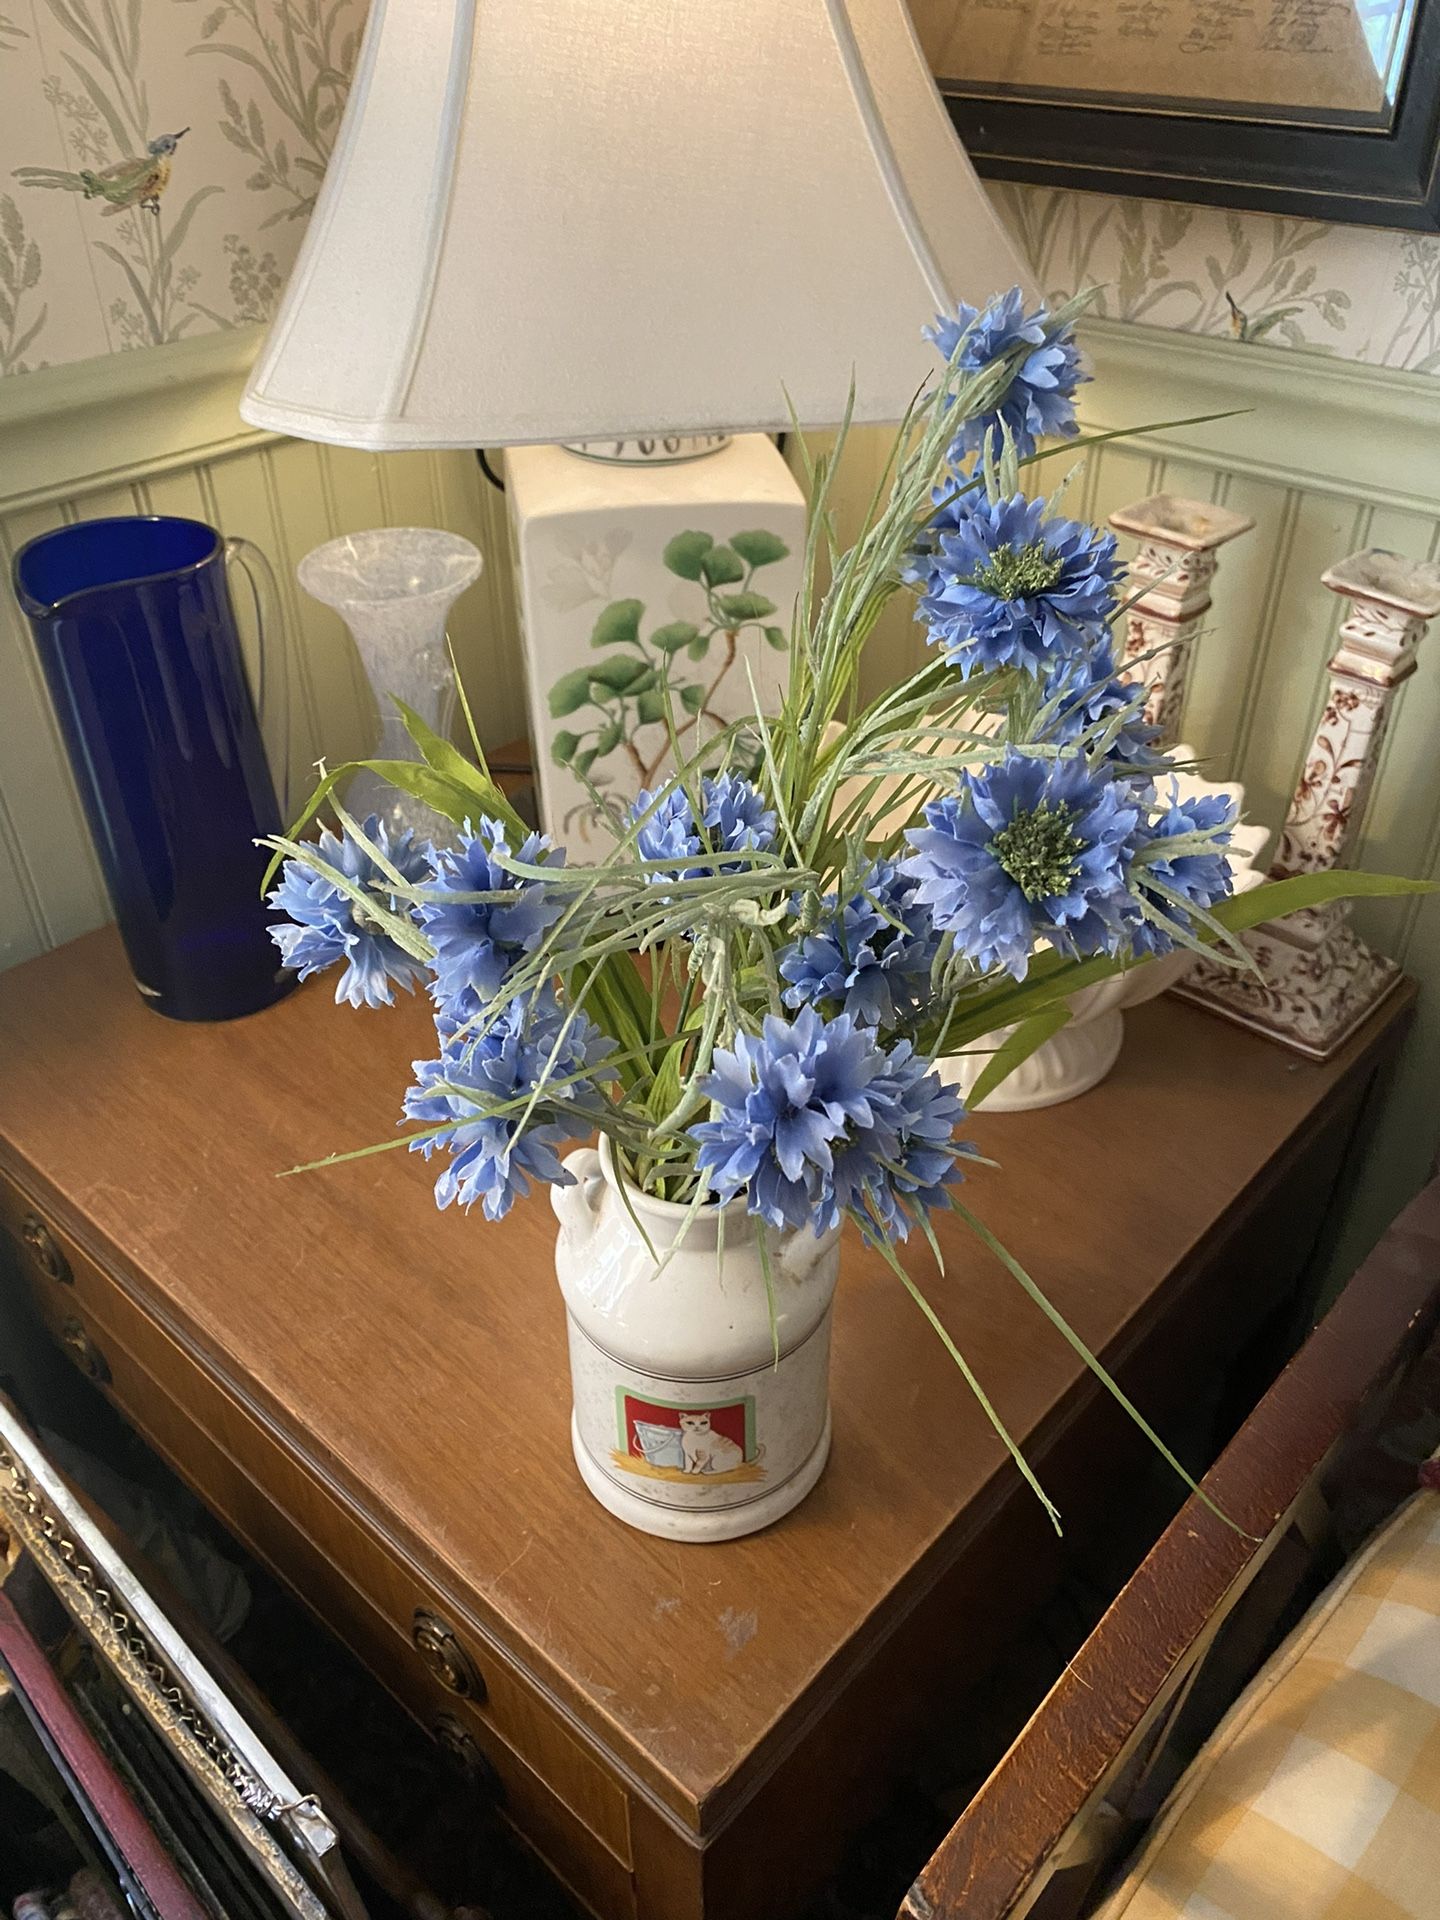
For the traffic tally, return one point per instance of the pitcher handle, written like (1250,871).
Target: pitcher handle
(272,686)
(577,1206)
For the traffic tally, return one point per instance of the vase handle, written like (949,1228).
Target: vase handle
(577,1207)
(272,676)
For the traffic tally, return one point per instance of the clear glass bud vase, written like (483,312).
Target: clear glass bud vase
(394,588)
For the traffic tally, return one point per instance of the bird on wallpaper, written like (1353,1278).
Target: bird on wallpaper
(129,183)
(1247,327)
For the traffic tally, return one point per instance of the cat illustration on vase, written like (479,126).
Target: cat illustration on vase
(705,1450)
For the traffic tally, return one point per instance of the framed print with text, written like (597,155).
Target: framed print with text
(1325,108)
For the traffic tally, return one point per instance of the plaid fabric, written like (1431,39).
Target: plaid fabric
(1318,1798)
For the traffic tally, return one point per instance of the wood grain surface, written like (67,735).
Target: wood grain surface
(414,1362)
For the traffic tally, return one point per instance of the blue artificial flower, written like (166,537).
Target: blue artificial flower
(1029,849)
(1040,398)
(786,1096)
(919,1115)
(328,926)
(733,819)
(1003,584)
(491,1160)
(872,954)
(477,943)
(1200,877)
(1088,693)
(817,1118)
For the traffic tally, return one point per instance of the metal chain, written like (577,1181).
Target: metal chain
(186,1716)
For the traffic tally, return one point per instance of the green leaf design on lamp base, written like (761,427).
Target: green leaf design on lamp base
(627,688)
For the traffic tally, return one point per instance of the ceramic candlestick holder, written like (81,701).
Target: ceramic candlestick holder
(1174,565)
(1317,978)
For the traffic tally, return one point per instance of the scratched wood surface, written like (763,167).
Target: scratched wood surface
(417,1360)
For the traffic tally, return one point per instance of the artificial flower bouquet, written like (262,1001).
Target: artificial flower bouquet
(753,995)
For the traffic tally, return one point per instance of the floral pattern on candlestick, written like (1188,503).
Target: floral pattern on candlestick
(1311,997)
(1156,658)
(1376,653)
(1159,645)
(1174,566)
(1316,979)
(1338,775)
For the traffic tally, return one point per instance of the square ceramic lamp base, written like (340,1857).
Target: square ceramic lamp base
(640,577)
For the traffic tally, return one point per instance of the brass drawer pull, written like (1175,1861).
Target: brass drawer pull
(45,1251)
(444,1657)
(84,1352)
(467,1753)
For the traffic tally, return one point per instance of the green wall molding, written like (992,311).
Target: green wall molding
(72,428)
(1337,426)
(1342,427)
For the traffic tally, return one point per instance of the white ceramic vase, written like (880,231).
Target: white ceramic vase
(1080,1055)
(684,1424)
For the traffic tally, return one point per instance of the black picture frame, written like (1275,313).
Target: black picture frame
(1382,179)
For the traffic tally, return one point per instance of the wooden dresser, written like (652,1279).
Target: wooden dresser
(373,1396)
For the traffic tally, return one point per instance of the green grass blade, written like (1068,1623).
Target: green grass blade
(448,761)
(1275,898)
(1010,1444)
(1057,1319)
(326,784)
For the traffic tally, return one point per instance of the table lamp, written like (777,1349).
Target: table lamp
(614,236)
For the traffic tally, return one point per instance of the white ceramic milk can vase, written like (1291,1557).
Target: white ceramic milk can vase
(685,1424)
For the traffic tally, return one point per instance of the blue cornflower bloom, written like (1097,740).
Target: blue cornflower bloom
(490,1159)
(1005,584)
(1029,849)
(787,1097)
(1200,877)
(872,953)
(733,819)
(1088,692)
(328,926)
(817,1118)
(477,943)
(918,1115)
(1040,399)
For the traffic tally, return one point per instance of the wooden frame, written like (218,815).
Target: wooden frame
(1061,1806)
(1380,176)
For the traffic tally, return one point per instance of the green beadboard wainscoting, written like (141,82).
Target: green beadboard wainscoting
(1328,456)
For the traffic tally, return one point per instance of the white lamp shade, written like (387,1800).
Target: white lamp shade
(580,219)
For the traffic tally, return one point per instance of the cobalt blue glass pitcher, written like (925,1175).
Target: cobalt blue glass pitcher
(137,637)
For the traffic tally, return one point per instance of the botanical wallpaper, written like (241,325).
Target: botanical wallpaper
(158,159)
(1360,292)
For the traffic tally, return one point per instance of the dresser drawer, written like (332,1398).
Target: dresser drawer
(594,1873)
(55,1267)
(297,1526)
